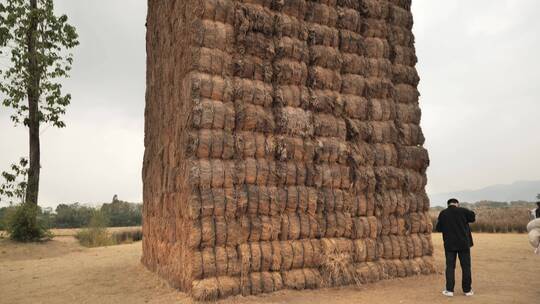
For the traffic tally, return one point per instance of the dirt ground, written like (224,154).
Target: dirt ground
(60,271)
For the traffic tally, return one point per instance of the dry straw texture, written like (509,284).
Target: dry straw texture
(283,147)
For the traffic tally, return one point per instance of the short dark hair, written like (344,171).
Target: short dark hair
(538,203)
(452,201)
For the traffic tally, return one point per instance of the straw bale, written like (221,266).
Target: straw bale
(405,4)
(258,45)
(353,84)
(378,68)
(288,25)
(354,64)
(408,113)
(375,28)
(324,79)
(298,254)
(403,247)
(388,178)
(351,42)
(360,250)
(375,9)
(421,265)
(293,96)
(212,61)
(387,269)
(214,35)
(213,114)
(360,227)
(331,150)
(401,17)
(385,155)
(228,286)
(255,282)
(253,92)
(253,67)
(427,245)
(307,228)
(267,282)
(405,74)
(211,87)
(323,35)
(254,18)
(329,126)
(205,290)
(325,57)
(406,93)
(321,14)
(294,121)
(404,56)
(371,249)
(396,247)
(417,243)
(377,48)
(387,203)
(219,10)
(413,157)
(400,267)
(294,279)
(289,148)
(292,48)
(253,118)
(379,88)
(430,265)
(382,109)
(375,272)
(294,8)
(384,223)
(415,182)
(348,19)
(310,259)
(400,36)
(290,72)
(364,180)
(326,101)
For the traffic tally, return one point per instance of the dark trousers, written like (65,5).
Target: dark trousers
(465,261)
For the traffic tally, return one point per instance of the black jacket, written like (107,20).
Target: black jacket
(454,222)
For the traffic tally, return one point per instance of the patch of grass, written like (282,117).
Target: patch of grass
(127,236)
(95,235)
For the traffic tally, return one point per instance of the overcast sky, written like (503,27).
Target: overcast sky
(479,69)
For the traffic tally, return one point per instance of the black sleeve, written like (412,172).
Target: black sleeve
(471,216)
(439,227)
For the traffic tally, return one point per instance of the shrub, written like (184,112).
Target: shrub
(23,224)
(127,236)
(95,235)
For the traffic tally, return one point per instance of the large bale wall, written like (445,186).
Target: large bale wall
(283,147)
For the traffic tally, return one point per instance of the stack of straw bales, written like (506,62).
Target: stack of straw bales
(283,146)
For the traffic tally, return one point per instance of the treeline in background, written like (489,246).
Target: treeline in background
(117,213)
(496,217)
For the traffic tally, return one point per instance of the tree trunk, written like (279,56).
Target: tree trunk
(32,189)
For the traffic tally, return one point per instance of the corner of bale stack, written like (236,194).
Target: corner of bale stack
(283,146)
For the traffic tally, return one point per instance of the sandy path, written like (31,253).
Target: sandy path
(60,271)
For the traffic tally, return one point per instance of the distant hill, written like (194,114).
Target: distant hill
(520,190)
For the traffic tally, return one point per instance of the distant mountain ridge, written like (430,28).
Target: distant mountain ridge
(520,190)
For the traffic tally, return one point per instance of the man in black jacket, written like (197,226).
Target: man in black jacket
(454,222)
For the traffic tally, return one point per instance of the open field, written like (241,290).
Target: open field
(62,271)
